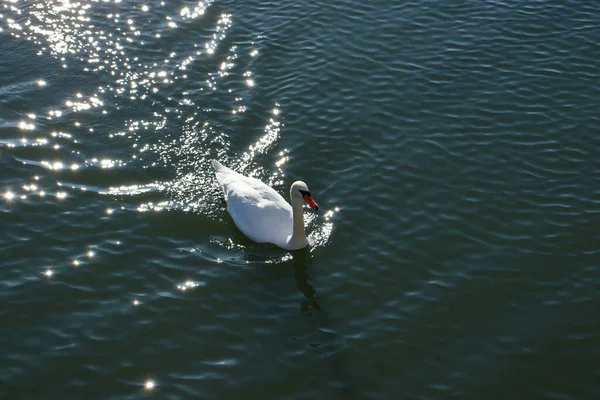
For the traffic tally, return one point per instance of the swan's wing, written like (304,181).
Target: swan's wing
(256,191)
(257,210)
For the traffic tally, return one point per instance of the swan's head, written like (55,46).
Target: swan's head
(300,190)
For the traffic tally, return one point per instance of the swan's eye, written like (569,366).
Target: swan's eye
(304,192)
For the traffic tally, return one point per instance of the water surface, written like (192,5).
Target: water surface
(453,148)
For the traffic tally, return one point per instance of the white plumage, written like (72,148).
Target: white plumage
(261,213)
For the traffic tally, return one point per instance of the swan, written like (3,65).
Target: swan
(261,213)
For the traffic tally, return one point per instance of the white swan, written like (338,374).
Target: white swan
(261,213)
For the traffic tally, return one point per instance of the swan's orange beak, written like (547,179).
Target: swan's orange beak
(308,198)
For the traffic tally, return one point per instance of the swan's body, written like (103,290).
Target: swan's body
(261,213)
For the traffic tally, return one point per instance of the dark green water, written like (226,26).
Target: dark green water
(453,147)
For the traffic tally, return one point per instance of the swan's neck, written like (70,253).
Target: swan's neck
(298,238)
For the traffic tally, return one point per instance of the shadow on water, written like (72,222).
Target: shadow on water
(266,265)
(301,261)
(304,273)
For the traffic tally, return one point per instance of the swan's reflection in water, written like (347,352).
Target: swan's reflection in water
(305,272)
(269,270)
(301,261)
(252,255)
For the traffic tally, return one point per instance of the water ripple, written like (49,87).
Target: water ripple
(451,145)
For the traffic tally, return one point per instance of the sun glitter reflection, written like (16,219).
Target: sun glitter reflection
(26,126)
(149,384)
(106,39)
(8,195)
(320,235)
(189,285)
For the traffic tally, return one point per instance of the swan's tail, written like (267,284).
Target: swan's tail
(220,171)
(217,165)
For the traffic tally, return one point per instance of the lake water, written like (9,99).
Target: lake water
(453,147)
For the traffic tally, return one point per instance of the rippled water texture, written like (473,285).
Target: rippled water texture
(454,149)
